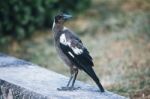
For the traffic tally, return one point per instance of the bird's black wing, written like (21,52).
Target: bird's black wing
(77,53)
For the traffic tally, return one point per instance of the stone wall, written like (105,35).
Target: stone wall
(20,79)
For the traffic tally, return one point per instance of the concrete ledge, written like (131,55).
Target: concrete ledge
(23,80)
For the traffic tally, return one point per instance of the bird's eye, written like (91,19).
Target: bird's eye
(58,17)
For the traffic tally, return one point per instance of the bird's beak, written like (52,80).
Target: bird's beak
(67,16)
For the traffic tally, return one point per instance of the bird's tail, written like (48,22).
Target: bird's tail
(89,70)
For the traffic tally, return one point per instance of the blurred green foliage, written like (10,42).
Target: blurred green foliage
(19,18)
(116,15)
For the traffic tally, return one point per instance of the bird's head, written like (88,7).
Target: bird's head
(61,18)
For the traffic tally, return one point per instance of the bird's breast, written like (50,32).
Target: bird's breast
(61,54)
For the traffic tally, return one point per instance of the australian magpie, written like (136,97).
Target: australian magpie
(72,51)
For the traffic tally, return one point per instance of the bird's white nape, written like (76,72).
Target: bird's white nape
(53,24)
(65,28)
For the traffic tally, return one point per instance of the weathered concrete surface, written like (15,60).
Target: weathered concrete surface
(23,80)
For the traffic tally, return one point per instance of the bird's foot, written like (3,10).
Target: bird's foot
(68,88)
(102,90)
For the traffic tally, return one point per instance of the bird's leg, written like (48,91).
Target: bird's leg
(70,80)
(66,87)
(71,77)
(73,82)
(75,76)
(74,73)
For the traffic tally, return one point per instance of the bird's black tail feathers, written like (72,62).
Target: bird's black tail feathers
(89,70)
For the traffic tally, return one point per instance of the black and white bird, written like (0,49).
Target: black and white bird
(72,51)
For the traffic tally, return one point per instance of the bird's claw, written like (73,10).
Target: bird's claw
(68,88)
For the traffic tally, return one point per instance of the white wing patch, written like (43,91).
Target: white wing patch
(64,41)
(77,50)
(71,54)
